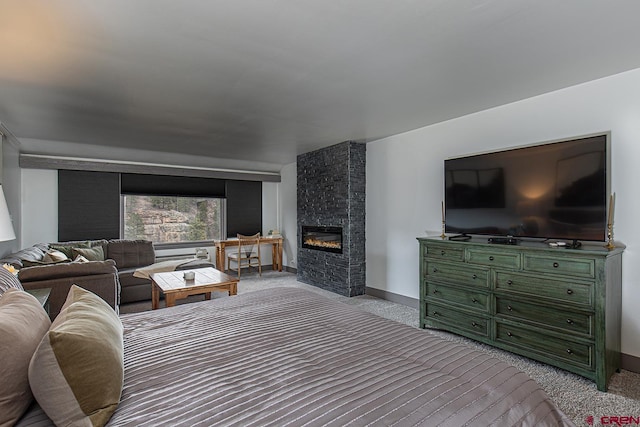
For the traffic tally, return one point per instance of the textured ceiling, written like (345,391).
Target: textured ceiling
(263,81)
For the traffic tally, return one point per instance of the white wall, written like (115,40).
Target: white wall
(39,206)
(289,213)
(10,179)
(405,177)
(269,216)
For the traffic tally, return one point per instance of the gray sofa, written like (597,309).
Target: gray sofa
(35,272)
(110,277)
(129,255)
(100,277)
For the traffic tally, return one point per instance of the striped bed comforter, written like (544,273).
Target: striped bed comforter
(286,356)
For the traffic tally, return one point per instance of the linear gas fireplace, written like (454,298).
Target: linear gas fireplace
(328,239)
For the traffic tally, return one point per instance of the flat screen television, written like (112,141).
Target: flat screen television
(554,190)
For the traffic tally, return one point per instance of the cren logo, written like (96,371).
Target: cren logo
(620,421)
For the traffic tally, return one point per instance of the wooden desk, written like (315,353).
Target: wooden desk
(174,286)
(276,253)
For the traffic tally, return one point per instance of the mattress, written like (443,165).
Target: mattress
(287,356)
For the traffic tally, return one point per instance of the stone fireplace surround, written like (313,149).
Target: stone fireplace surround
(331,193)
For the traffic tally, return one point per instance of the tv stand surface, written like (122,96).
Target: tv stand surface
(557,306)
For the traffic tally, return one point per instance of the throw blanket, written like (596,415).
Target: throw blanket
(160,267)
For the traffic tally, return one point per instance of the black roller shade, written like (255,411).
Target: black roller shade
(88,205)
(244,207)
(164,185)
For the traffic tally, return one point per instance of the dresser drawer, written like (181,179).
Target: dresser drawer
(470,299)
(578,267)
(564,320)
(456,319)
(444,252)
(570,352)
(456,273)
(574,292)
(493,258)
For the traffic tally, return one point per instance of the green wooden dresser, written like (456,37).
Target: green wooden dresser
(555,305)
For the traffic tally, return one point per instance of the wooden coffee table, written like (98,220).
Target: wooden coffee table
(174,286)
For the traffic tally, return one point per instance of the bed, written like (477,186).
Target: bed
(288,356)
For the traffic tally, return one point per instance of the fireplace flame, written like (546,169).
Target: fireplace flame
(322,243)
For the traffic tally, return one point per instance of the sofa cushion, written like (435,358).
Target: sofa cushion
(67,247)
(23,323)
(71,269)
(8,281)
(131,253)
(77,372)
(92,254)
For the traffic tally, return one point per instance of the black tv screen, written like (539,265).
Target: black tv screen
(556,190)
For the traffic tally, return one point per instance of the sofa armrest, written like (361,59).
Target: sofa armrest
(99,277)
(69,269)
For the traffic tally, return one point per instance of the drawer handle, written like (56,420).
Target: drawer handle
(509,308)
(474,324)
(435,291)
(474,277)
(509,334)
(509,282)
(490,258)
(556,265)
(569,292)
(442,253)
(569,321)
(435,313)
(473,300)
(435,270)
(569,351)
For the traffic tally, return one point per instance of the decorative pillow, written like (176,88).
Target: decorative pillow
(67,249)
(23,323)
(54,255)
(92,254)
(80,258)
(77,372)
(8,280)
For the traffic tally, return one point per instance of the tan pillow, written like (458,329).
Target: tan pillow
(80,258)
(77,372)
(92,254)
(54,255)
(23,323)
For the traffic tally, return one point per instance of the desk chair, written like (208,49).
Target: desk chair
(248,253)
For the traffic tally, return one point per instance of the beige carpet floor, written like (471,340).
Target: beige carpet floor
(575,395)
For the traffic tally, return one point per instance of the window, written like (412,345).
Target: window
(171,219)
